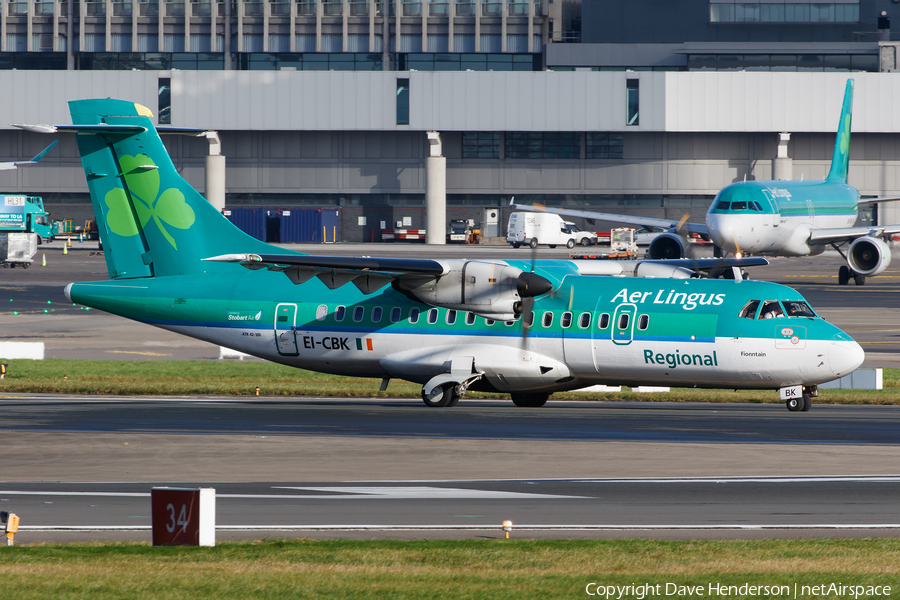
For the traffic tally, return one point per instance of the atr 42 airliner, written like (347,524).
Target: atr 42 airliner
(518,327)
(781,218)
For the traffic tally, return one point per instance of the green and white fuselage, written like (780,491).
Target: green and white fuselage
(508,326)
(590,330)
(778,217)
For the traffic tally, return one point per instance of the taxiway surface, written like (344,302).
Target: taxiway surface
(600,469)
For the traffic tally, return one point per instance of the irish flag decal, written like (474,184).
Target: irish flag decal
(367,342)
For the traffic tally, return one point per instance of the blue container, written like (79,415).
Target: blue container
(309,225)
(251,221)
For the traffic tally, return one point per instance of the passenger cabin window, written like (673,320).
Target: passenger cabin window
(358,313)
(395,314)
(489,322)
(470,318)
(798,309)
(623,321)
(414,315)
(603,323)
(585,321)
(432,316)
(376,314)
(321,312)
(529,318)
(339,313)
(451,317)
(547,319)
(771,310)
(643,322)
(749,311)
(566,319)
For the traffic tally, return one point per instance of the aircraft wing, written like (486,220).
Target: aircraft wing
(864,201)
(820,237)
(12,165)
(614,218)
(366,273)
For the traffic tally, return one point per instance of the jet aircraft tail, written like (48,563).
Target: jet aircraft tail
(841,158)
(151,221)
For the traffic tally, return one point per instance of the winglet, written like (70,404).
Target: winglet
(33,161)
(841,158)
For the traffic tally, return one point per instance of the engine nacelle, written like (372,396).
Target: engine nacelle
(652,269)
(668,246)
(491,289)
(869,256)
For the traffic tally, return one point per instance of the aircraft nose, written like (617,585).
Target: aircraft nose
(845,357)
(722,231)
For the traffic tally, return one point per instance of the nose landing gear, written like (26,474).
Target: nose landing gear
(804,403)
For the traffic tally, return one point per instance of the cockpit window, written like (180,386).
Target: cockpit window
(739,205)
(771,310)
(749,311)
(795,308)
(723,205)
(754,205)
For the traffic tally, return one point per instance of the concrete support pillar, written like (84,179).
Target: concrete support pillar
(435,192)
(215,172)
(783,165)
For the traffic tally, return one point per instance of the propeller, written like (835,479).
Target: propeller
(527,299)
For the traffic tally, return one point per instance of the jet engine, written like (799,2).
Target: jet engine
(869,256)
(491,289)
(668,246)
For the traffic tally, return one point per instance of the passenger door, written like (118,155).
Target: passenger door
(285,334)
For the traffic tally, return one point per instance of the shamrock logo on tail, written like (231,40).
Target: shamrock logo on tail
(143,183)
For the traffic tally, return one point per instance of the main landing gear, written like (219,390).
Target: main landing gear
(805,403)
(530,400)
(844,275)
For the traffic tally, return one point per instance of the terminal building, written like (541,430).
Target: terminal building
(599,105)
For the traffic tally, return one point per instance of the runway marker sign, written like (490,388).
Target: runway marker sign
(183,516)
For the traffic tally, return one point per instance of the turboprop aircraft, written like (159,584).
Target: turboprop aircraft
(781,218)
(451,325)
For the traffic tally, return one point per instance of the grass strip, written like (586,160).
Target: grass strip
(519,569)
(219,378)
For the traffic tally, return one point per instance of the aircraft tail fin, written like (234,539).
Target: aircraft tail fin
(151,221)
(841,158)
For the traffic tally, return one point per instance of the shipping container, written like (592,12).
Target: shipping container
(251,221)
(309,225)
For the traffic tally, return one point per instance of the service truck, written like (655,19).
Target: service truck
(26,214)
(531,229)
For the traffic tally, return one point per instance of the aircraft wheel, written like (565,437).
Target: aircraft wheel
(441,396)
(570,244)
(529,400)
(585,241)
(454,397)
(859,279)
(807,402)
(844,275)
(25,265)
(794,404)
(533,243)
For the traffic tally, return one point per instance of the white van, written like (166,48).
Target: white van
(531,229)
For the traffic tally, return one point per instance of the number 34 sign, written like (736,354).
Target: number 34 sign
(183,516)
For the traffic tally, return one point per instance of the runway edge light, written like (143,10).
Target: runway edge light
(3,371)
(507,527)
(10,522)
